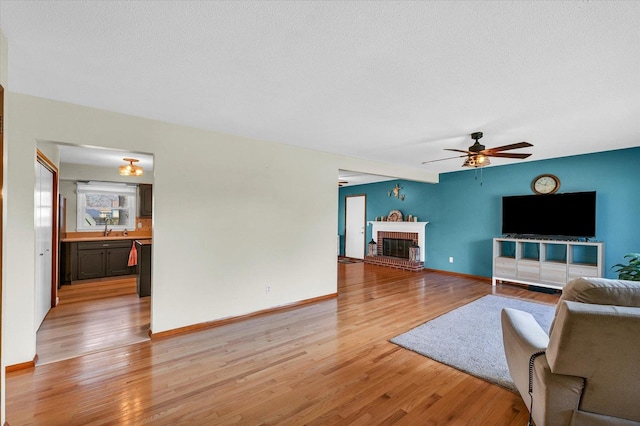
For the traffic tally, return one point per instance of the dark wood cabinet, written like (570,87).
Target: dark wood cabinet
(65,263)
(143,283)
(117,262)
(91,264)
(145,192)
(95,259)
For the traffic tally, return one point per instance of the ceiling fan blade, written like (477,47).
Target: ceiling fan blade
(507,155)
(442,159)
(460,150)
(507,147)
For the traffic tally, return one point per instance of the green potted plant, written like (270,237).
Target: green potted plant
(630,271)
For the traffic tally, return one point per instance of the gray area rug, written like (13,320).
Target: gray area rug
(469,338)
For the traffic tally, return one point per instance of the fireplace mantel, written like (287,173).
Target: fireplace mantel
(417,227)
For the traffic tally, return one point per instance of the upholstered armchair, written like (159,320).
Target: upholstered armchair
(587,370)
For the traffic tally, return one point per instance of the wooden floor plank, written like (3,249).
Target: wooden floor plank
(329,362)
(93,316)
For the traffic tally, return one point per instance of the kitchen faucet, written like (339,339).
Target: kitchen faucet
(106,231)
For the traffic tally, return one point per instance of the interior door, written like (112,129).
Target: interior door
(44,241)
(355,222)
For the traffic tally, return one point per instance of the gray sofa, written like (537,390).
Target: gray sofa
(587,370)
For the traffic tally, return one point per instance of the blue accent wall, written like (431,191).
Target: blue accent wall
(464,209)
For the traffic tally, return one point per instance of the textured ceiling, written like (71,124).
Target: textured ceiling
(389,81)
(102,157)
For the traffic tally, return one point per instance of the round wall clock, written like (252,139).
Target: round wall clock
(545,184)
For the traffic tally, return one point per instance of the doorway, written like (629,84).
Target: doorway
(45,259)
(46,227)
(355,222)
(93,315)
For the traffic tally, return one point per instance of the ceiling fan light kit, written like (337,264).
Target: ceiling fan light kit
(130,169)
(478,156)
(476,161)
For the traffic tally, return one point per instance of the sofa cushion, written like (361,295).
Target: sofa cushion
(600,291)
(603,291)
(581,418)
(599,343)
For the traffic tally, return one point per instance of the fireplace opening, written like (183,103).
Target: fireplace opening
(395,247)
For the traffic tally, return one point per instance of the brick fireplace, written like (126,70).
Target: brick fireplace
(412,231)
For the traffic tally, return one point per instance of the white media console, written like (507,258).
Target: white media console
(545,263)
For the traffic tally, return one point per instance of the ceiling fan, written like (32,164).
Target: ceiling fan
(478,156)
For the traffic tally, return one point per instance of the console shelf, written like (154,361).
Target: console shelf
(545,263)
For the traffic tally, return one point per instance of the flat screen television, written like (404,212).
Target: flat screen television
(570,215)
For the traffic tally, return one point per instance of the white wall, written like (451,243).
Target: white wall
(67,189)
(231,215)
(50,151)
(3,81)
(19,238)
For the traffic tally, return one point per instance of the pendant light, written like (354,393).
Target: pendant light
(476,160)
(130,169)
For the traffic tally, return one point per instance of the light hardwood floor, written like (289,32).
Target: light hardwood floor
(93,316)
(321,364)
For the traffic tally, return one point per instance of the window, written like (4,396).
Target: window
(106,203)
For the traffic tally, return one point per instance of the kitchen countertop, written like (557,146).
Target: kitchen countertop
(109,238)
(144,242)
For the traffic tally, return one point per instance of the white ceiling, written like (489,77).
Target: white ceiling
(102,157)
(384,80)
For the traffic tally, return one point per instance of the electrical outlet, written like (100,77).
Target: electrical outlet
(267,289)
(451,259)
